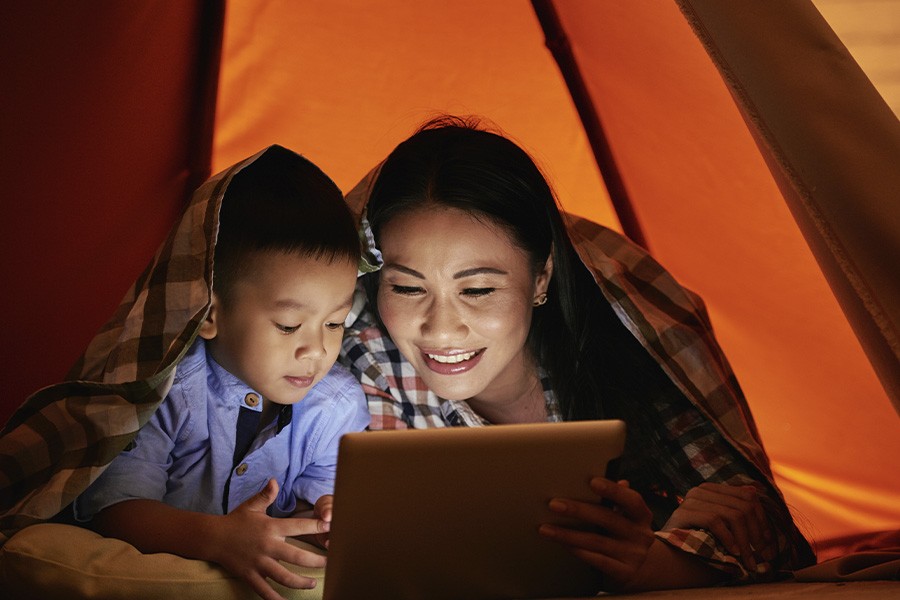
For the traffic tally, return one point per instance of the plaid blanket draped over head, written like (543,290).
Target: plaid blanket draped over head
(62,438)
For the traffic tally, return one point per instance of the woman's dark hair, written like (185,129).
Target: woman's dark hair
(281,202)
(451,162)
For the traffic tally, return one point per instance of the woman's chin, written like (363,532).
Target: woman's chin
(452,387)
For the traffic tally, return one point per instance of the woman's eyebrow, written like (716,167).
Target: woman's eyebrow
(402,269)
(458,275)
(479,271)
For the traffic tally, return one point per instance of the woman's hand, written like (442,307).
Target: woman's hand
(250,544)
(617,538)
(731,513)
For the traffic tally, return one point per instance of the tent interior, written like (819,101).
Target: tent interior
(739,142)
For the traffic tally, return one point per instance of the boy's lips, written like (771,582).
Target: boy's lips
(451,362)
(300,382)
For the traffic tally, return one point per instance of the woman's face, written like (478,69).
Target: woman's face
(456,297)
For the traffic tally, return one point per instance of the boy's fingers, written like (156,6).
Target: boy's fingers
(262,587)
(288,578)
(301,557)
(294,526)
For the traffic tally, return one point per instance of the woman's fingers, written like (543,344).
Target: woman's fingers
(613,534)
(623,500)
(745,500)
(733,514)
(601,552)
(700,515)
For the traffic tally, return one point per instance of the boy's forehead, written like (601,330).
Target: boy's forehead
(298,280)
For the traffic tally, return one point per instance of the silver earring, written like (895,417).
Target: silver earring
(540,300)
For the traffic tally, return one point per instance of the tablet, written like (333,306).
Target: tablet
(454,512)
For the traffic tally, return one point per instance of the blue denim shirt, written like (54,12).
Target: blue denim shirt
(184,455)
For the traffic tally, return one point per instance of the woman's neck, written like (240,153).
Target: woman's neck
(520,400)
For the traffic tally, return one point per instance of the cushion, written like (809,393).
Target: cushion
(52,561)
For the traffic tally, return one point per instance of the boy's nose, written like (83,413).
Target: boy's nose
(311,346)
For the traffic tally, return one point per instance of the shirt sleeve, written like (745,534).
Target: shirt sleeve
(346,413)
(141,470)
(705,454)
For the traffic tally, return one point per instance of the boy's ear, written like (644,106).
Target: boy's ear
(209,327)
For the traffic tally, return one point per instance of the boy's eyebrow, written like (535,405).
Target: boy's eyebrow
(459,275)
(288,303)
(298,305)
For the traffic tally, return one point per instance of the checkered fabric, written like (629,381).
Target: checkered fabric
(64,435)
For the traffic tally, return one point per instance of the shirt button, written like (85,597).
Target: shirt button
(251,400)
(242,468)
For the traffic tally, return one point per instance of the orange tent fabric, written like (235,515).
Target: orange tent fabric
(96,163)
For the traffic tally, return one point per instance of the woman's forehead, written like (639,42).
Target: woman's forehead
(450,237)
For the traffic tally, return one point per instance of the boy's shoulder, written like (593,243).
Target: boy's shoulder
(193,361)
(191,371)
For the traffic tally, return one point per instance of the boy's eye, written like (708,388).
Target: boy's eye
(406,290)
(475,292)
(334,326)
(287,329)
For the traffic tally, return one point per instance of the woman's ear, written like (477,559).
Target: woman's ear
(542,280)
(209,328)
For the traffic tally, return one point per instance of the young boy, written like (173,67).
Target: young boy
(252,421)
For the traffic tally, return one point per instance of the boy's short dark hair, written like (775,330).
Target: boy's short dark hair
(281,203)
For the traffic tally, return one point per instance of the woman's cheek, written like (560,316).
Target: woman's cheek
(391,314)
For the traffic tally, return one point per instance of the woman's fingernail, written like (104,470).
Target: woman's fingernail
(547,531)
(599,484)
(558,506)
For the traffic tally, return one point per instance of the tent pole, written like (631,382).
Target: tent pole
(558,44)
(203,112)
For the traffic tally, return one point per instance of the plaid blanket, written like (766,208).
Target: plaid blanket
(64,435)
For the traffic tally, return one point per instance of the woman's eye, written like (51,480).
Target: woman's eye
(334,326)
(476,292)
(286,329)
(406,290)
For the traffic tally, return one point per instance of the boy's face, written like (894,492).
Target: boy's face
(280,331)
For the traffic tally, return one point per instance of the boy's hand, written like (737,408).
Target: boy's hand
(250,544)
(323,510)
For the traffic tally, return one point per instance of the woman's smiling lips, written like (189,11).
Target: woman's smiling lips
(451,362)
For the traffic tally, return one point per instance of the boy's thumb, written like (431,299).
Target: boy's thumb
(266,496)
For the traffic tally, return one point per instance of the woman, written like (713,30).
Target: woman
(487,309)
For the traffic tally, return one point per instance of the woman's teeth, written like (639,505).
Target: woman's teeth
(454,358)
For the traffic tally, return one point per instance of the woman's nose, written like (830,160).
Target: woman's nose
(442,321)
